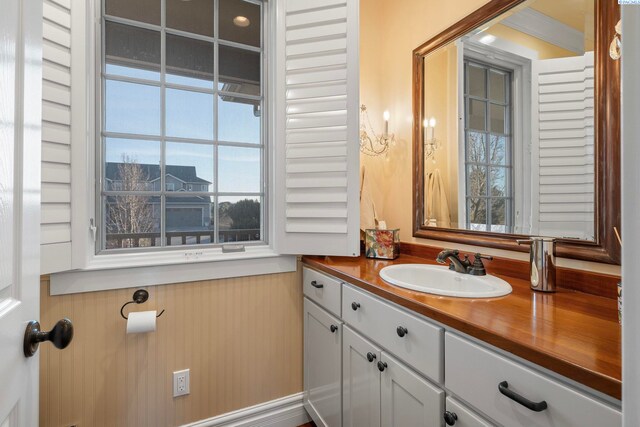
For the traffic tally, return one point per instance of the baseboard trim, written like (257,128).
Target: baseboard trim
(287,411)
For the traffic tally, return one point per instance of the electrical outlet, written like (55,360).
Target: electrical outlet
(180,383)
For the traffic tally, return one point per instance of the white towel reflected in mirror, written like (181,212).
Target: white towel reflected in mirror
(437,205)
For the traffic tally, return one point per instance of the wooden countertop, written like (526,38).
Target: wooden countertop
(572,333)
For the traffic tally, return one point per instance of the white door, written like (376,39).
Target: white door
(322,366)
(20,102)
(360,381)
(406,398)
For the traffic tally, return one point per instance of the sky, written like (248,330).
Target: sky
(135,108)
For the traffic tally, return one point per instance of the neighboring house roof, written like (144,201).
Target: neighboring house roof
(172,201)
(183,173)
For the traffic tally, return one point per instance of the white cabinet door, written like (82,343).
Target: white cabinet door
(460,416)
(360,381)
(406,398)
(322,365)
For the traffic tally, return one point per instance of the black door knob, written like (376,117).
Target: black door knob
(355,306)
(450,418)
(61,335)
(382,365)
(371,357)
(402,331)
(333,328)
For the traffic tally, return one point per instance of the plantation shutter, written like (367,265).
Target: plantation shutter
(317,128)
(563,147)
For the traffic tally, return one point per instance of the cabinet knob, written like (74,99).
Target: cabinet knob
(371,357)
(355,306)
(382,365)
(450,418)
(317,285)
(333,328)
(402,331)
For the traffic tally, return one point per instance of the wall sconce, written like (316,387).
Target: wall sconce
(431,144)
(370,143)
(615,48)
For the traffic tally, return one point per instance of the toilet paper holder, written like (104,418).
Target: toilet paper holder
(139,297)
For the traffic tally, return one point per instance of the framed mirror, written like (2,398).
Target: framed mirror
(516,128)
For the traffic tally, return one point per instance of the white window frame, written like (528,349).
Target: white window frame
(206,262)
(520,63)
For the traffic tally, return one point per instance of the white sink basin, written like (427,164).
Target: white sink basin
(439,280)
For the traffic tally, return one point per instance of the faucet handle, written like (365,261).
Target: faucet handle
(478,267)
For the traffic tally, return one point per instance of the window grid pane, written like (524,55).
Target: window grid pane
(179,192)
(488,149)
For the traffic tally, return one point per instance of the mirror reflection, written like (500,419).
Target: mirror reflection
(508,124)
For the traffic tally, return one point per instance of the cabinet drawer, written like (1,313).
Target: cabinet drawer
(473,374)
(322,289)
(420,347)
(465,417)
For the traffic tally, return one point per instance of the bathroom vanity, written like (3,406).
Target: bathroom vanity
(380,355)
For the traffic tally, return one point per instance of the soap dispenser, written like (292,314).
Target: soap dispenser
(542,263)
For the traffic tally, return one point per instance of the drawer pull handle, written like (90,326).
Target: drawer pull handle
(450,418)
(382,366)
(402,331)
(333,328)
(371,357)
(534,406)
(355,306)
(317,285)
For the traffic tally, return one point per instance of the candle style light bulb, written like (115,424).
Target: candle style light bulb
(386,123)
(432,125)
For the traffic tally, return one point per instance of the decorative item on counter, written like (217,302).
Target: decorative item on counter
(382,243)
(615,48)
(615,230)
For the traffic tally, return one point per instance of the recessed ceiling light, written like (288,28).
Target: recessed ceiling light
(487,39)
(241,21)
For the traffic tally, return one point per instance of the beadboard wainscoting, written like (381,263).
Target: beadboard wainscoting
(241,338)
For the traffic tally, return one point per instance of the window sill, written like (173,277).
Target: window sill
(118,271)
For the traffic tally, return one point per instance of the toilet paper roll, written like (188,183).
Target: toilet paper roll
(141,321)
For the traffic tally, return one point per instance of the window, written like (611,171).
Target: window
(488,147)
(181,144)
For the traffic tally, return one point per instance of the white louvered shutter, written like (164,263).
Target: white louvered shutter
(563,147)
(317,112)
(55,224)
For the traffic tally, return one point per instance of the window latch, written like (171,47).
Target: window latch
(93,228)
(232,248)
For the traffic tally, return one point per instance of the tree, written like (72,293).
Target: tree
(129,214)
(244,214)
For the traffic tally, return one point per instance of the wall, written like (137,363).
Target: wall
(241,338)
(630,221)
(441,82)
(390,30)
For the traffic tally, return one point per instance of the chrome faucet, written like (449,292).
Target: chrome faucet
(463,266)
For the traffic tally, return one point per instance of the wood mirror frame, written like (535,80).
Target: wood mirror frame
(605,248)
